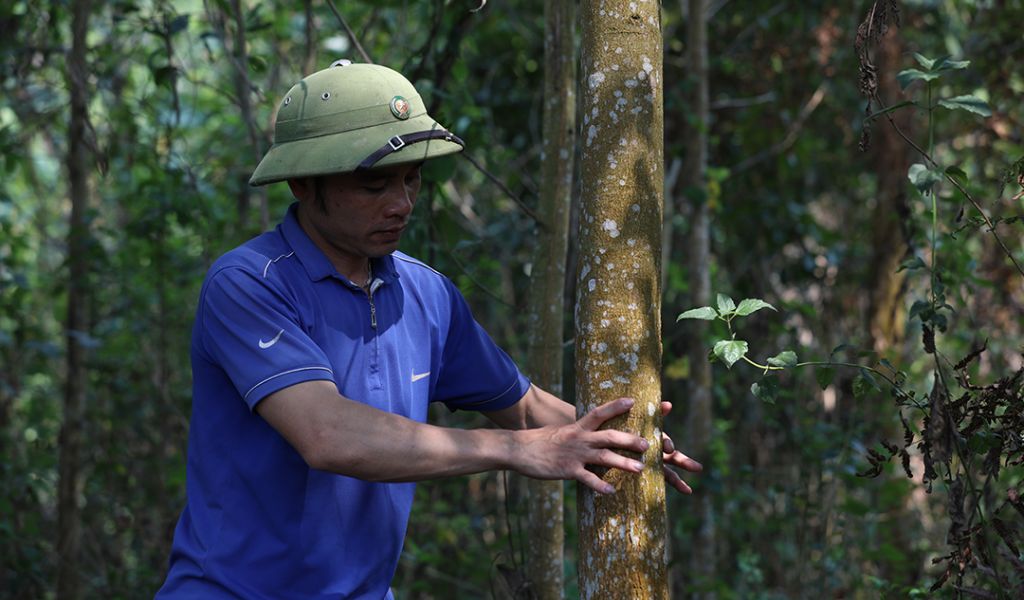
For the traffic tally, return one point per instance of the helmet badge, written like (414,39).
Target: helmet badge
(400,108)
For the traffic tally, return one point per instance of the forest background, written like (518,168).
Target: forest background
(180,98)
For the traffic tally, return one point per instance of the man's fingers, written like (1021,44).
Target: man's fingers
(607,458)
(613,438)
(594,482)
(673,479)
(666,444)
(593,419)
(666,407)
(682,461)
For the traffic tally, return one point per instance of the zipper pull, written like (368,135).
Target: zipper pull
(373,314)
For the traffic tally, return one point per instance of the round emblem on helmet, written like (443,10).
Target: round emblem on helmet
(400,107)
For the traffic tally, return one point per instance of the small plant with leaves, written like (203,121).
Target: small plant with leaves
(732,350)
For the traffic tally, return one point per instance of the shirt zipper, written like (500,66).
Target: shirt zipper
(373,310)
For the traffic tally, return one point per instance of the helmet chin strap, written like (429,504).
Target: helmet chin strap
(398,142)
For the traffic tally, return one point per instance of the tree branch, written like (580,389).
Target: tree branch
(494,179)
(350,33)
(956,184)
(791,136)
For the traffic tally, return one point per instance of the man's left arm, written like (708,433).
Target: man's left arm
(538,408)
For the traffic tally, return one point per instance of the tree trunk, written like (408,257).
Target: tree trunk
(547,296)
(699,423)
(69,485)
(618,323)
(889,246)
(309,55)
(243,91)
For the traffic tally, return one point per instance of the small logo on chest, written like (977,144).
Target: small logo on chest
(417,376)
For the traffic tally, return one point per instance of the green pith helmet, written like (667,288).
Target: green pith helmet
(350,117)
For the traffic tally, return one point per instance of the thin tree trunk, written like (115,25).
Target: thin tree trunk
(243,90)
(70,484)
(309,56)
(547,290)
(618,323)
(889,246)
(892,157)
(699,418)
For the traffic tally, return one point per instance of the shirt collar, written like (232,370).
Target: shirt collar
(315,261)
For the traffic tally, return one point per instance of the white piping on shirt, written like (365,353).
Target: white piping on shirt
(270,262)
(288,372)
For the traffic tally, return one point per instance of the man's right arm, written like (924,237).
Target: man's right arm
(334,433)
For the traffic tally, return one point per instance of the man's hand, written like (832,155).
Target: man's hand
(563,452)
(671,456)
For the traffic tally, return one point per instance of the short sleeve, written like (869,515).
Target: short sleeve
(254,333)
(475,373)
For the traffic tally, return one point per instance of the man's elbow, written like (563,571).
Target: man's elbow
(325,453)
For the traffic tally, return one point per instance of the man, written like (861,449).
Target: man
(316,351)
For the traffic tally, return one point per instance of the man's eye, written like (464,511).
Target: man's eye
(374,189)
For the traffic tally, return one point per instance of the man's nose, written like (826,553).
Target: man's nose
(400,201)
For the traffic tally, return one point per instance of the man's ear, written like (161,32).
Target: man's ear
(302,188)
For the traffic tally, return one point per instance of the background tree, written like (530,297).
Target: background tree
(77,328)
(618,318)
(547,298)
(693,180)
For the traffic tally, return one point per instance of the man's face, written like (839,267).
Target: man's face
(353,216)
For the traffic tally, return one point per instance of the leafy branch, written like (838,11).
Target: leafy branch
(732,350)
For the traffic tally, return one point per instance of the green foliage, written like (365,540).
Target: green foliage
(790,513)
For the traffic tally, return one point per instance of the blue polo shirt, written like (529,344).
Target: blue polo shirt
(258,522)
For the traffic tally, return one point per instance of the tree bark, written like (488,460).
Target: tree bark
(243,91)
(309,55)
(699,423)
(618,322)
(70,484)
(889,245)
(547,289)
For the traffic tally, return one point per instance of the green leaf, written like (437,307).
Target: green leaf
(786,358)
(766,390)
(860,388)
(923,178)
(958,174)
(725,304)
(705,313)
(951,65)
(842,348)
(863,384)
(825,375)
(257,63)
(911,264)
(908,76)
(164,76)
(751,305)
(972,104)
(179,23)
(920,307)
(924,61)
(730,351)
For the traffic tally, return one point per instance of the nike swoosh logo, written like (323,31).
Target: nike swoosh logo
(417,376)
(266,345)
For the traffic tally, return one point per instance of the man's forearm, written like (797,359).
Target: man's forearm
(334,433)
(537,408)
